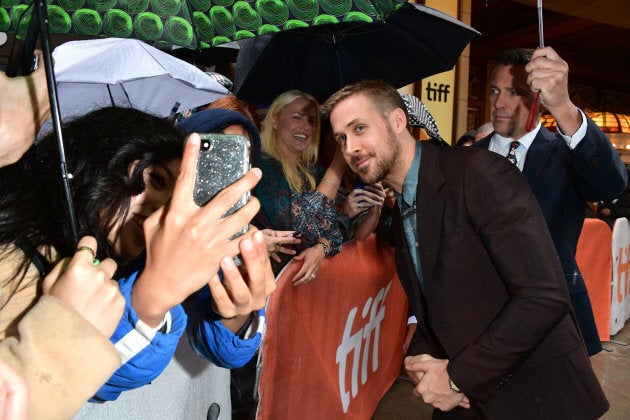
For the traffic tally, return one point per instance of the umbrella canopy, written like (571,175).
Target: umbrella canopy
(413,42)
(187,23)
(190,23)
(96,73)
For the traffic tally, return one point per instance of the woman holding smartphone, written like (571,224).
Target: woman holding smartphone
(125,167)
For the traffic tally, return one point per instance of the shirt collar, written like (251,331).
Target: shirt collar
(525,141)
(411,179)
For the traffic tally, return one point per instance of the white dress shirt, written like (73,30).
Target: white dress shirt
(501,145)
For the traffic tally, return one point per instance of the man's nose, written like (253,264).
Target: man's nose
(497,100)
(351,146)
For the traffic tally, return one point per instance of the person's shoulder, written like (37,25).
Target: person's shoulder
(467,153)
(471,160)
(268,161)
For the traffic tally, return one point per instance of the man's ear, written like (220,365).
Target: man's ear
(398,120)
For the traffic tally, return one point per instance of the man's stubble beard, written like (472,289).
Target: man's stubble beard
(388,164)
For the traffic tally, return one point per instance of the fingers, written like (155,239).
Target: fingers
(232,294)
(276,238)
(184,185)
(85,253)
(51,278)
(13,394)
(313,258)
(275,245)
(304,278)
(87,245)
(419,362)
(276,241)
(261,278)
(235,296)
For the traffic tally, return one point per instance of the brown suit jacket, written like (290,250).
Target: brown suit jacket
(494,301)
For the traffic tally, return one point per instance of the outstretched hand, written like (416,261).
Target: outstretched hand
(312,258)
(185,242)
(88,288)
(276,241)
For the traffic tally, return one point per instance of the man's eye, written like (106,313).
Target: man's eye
(494,91)
(359,127)
(341,139)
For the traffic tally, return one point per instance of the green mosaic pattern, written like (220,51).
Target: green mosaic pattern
(191,23)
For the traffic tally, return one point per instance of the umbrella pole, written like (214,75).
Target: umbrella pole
(40,17)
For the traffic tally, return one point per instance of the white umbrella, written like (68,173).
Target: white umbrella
(96,73)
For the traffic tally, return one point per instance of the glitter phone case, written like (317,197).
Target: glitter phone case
(223,159)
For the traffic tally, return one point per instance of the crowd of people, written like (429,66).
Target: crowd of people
(154,275)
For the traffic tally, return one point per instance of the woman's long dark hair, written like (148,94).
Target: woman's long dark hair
(100,150)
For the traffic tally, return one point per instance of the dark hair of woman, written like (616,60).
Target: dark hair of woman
(106,153)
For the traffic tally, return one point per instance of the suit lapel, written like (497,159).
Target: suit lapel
(484,143)
(537,155)
(429,205)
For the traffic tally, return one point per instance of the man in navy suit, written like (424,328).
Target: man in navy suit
(564,169)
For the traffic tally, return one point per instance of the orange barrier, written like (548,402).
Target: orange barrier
(594,257)
(333,347)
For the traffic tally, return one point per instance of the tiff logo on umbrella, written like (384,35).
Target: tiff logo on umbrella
(375,308)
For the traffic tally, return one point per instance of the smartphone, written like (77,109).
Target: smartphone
(223,159)
(359,184)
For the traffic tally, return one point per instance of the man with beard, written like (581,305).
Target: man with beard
(565,169)
(495,338)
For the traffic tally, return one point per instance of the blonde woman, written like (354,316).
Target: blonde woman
(288,191)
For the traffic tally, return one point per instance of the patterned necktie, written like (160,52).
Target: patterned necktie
(512,152)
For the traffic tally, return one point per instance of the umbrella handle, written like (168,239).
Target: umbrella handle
(39,22)
(533,111)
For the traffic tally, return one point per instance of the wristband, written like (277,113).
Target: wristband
(326,248)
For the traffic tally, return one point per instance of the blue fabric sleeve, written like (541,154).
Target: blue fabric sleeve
(144,358)
(212,340)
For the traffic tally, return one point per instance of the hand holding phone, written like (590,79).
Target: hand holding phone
(186,242)
(223,159)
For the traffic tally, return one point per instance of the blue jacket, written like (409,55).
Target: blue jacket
(146,352)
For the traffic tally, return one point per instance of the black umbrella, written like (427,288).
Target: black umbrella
(414,42)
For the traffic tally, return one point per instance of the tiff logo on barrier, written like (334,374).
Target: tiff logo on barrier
(359,344)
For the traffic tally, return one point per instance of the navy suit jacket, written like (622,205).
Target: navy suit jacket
(563,180)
